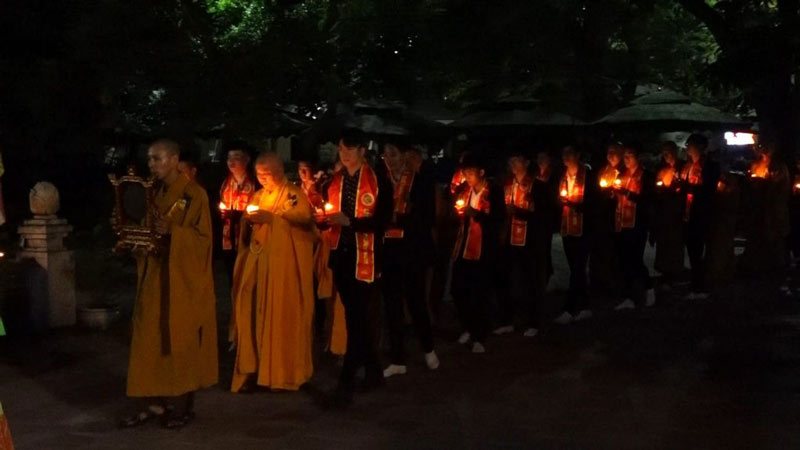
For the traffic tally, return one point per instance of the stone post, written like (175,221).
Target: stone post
(51,281)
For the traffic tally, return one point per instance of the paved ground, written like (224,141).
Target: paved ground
(717,374)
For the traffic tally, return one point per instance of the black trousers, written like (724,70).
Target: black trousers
(577,252)
(361,303)
(630,244)
(403,283)
(470,289)
(532,271)
(696,248)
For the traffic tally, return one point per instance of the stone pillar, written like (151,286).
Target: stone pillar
(51,281)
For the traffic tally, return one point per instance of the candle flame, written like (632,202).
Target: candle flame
(563,192)
(252,208)
(660,183)
(617,182)
(328,207)
(797,185)
(2,255)
(459,203)
(222,206)
(603,182)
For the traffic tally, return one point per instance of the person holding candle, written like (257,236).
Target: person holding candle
(332,327)
(480,212)
(574,191)
(235,194)
(770,186)
(604,263)
(631,225)
(273,289)
(699,179)
(408,244)
(173,350)
(361,207)
(516,249)
(667,229)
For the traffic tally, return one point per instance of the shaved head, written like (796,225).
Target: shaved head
(269,169)
(167,145)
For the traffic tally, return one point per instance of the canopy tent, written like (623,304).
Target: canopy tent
(668,109)
(379,119)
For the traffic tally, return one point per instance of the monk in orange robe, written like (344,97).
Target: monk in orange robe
(273,285)
(174,342)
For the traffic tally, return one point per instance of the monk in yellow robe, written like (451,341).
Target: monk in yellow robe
(174,341)
(273,285)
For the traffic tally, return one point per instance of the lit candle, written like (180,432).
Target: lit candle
(563,192)
(222,206)
(603,183)
(797,186)
(617,182)
(659,183)
(328,207)
(251,209)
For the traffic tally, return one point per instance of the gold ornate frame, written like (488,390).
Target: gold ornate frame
(133,236)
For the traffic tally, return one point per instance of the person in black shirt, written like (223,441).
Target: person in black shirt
(517,249)
(360,208)
(408,242)
(480,208)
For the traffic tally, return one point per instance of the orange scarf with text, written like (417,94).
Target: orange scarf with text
(474,239)
(519,194)
(366,202)
(571,218)
(402,189)
(625,216)
(234,197)
(692,173)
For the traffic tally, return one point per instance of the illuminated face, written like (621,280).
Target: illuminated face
(161,162)
(630,159)
(304,172)
(188,170)
(612,157)
(570,160)
(269,172)
(351,156)
(474,176)
(518,165)
(237,161)
(392,156)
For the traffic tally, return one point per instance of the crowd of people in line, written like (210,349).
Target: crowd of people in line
(362,241)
